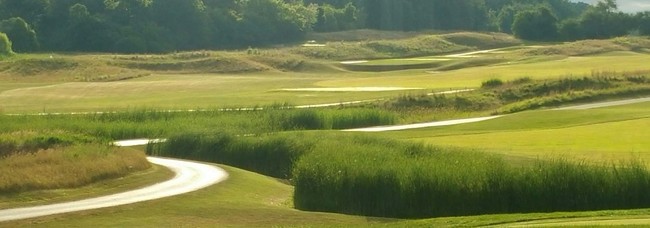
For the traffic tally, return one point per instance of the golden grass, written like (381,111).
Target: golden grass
(67,167)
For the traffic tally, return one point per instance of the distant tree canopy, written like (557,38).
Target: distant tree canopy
(538,24)
(139,26)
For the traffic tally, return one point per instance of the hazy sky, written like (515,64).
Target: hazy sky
(626,5)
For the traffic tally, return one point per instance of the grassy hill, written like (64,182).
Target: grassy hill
(400,80)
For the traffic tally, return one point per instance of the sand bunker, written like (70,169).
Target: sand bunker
(350,89)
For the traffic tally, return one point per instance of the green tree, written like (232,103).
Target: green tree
(5,45)
(604,21)
(30,10)
(333,19)
(269,21)
(539,24)
(570,30)
(506,18)
(23,36)
(643,22)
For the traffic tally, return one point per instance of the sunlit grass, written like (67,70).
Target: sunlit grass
(67,167)
(473,77)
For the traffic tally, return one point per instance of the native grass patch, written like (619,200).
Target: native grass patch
(146,123)
(32,160)
(498,97)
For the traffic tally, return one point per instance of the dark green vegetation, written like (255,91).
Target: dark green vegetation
(151,26)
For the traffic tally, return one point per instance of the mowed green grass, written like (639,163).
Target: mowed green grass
(536,68)
(190,91)
(244,200)
(176,91)
(600,135)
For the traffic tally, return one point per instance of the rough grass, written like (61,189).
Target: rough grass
(67,167)
(26,67)
(527,94)
(361,35)
(209,64)
(591,47)
(33,141)
(481,40)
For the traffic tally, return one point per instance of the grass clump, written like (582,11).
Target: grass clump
(67,167)
(379,177)
(492,83)
(326,119)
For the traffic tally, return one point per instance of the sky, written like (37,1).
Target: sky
(628,6)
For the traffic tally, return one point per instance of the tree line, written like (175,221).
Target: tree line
(139,26)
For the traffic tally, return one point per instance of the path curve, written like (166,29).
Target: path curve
(605,104)
(190,176)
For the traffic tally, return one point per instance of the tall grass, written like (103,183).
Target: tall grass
(67,167)
(378,177)
(152,123)
(32,141)
(497,96)
(315,119)
(573,97)
(272,155)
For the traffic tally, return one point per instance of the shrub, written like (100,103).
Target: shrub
(492,83)
(23,36)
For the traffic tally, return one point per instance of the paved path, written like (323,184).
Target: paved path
(605,104)
(423,125)
(190,176)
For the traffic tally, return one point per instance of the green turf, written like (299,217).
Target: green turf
(167,91)
(602,135)
(472,77)
(244,200)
